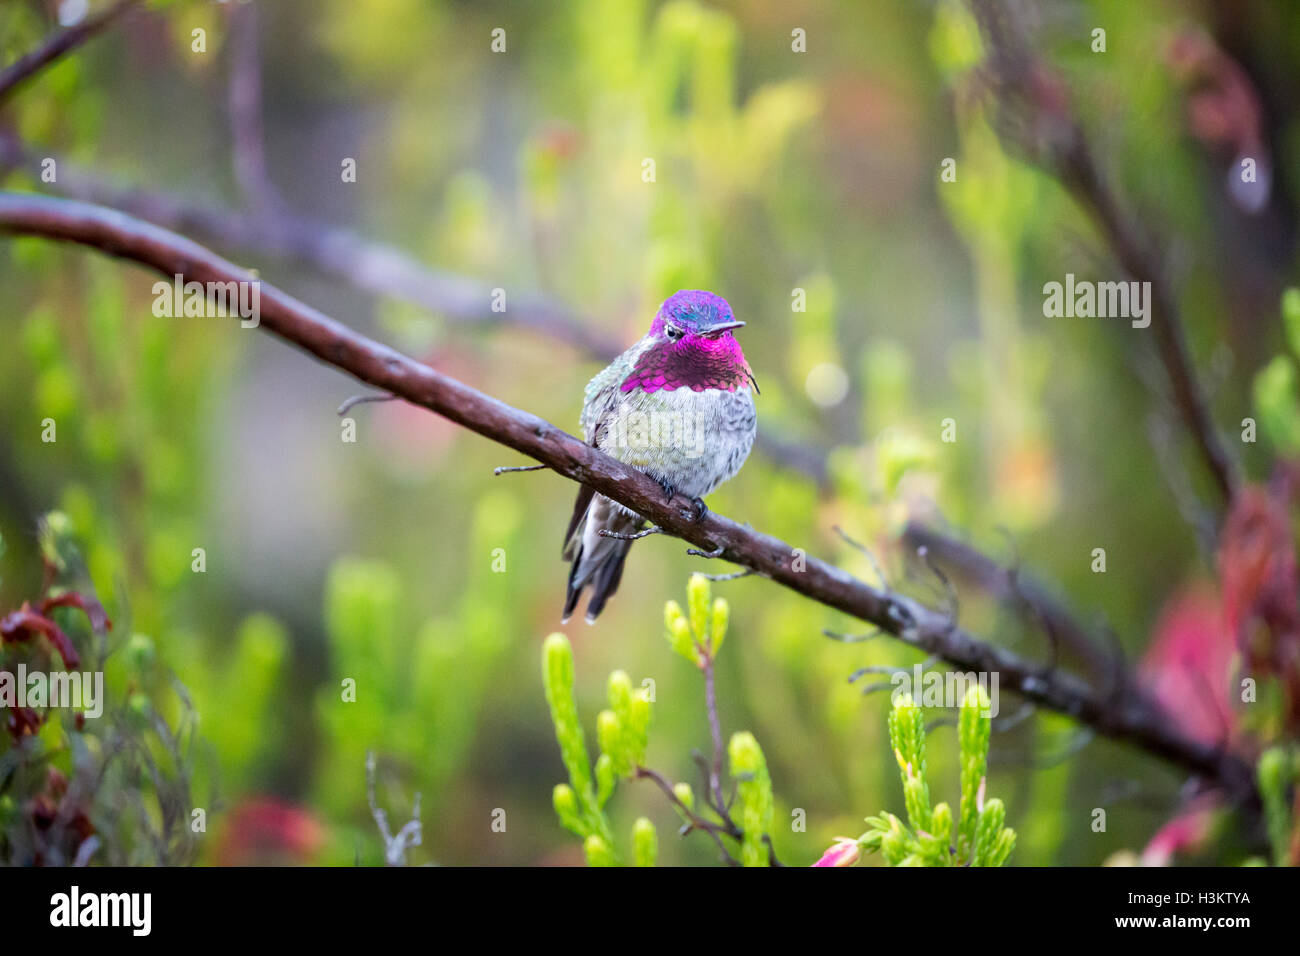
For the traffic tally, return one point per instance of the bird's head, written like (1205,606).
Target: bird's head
(690,345)
(692,316)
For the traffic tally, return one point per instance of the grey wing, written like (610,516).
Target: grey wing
(601,398)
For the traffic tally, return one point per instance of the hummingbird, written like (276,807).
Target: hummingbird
(677,406)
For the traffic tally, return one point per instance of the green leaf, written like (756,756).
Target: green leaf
(754,795)
(1276,403)
(1291,319)
(1276,771)
(598,851)
(645,843)
(974,727)
(697,599)
(566,808)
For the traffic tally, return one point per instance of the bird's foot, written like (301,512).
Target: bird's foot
(700,508)
(668,488)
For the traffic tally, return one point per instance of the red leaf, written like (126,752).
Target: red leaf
(21,624)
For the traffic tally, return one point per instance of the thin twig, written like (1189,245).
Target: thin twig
(733,576)
(410,835)
(635,536)
(715,729)
(713,553)
(56,46)
(248,147)
(1008,584)
(853,638)
(694,820)
(356,400)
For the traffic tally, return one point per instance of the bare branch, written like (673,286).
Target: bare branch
(1008,584)
(56,46)
(375,269)
(411,833)
(1036,119)
(1131,717)
(245,104)
(634,536)
(733,576)
(355,400)
(693,820)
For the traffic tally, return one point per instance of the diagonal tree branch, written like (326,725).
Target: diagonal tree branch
(376,269)
(1009,585)
(1036,119)
(58,45)
(1129,716)
(373,268)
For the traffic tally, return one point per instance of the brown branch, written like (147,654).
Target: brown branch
(376,269)
(1036,119)
(58,45)
(1007,584)
(1129,717)
(693,820)
(1085,182)
(244,99)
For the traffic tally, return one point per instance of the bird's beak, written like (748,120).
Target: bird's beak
(719,329)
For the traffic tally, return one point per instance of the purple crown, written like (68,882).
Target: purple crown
(696,310)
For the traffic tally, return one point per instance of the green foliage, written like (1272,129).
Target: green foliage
(699,636)
(775,170)
(753,796)
(1278,773)
(109,781)
(1276,395)
(645,842)
(410,691)
(981,838)
(621,733)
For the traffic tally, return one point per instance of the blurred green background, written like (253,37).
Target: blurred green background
(775,171)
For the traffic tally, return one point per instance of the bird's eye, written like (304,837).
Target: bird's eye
(674,333)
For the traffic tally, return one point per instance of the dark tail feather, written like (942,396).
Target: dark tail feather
(573,541)
(603,579)
(597,562)
(606,580)
(574,591)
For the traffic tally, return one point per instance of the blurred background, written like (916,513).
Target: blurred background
(803,181)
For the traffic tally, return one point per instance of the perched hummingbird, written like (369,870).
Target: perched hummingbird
(676,405)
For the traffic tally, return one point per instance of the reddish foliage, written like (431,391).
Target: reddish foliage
(1188,665)
(1185,832)
(61,825)
(28,622)
(843,852)
(24,623)
(264,831)
(1257,569)
(93,610)
(1223,107)
(22,720)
